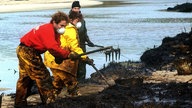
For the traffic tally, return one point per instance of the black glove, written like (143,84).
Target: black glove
(90,44)
(89,61)
(58,60)
(73,56)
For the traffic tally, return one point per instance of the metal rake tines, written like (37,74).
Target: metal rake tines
(111,52)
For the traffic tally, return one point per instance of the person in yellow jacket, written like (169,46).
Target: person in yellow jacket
(65,73)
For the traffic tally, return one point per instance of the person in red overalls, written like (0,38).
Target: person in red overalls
(43,38)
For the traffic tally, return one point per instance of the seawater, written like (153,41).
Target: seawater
(133,28)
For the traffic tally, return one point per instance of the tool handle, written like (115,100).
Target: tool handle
(101,74)
(99,46)
(95,45)
(97,50)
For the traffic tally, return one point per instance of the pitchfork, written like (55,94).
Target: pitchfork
(108,52)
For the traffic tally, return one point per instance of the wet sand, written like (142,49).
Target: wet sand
(99,94)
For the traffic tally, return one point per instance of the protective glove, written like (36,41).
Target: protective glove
(58,60)
(89,61)
(73,56)
(90,44)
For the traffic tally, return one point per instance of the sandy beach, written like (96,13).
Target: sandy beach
(32,5)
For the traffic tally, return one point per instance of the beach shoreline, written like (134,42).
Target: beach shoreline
(7,6)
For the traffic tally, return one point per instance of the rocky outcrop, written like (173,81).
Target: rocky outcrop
(185,7)
(173,53)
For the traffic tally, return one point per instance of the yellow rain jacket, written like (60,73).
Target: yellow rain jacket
(69,41)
